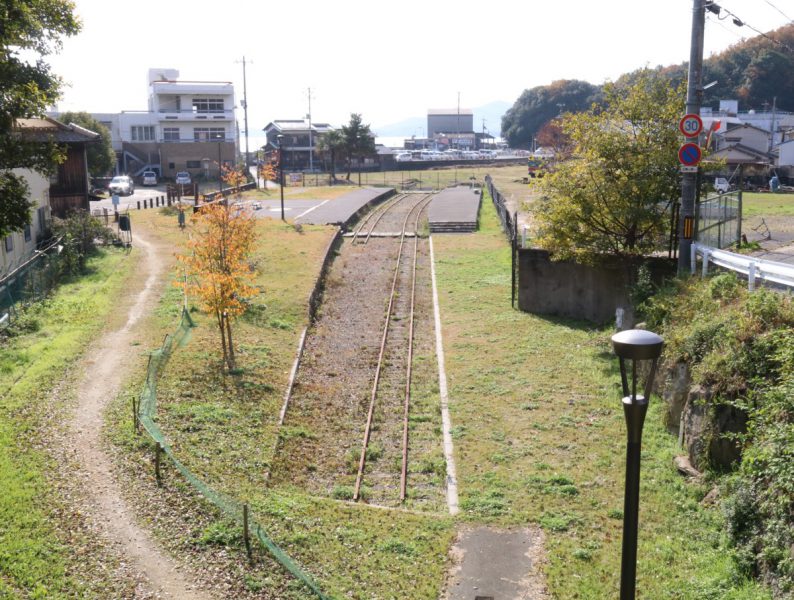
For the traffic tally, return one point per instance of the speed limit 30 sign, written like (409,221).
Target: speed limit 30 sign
(690,125)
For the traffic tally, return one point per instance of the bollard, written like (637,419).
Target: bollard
(169,201)
(246,536)
(157,200)
(145,205)
(157,452)
(139,205)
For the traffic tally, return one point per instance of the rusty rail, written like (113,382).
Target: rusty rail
(370,414)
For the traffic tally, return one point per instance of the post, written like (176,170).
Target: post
(693,99)
(751,277)
(634,410)
(694,259)
(705,270)
(281,183)
(246,536)
(135,414)
(139,204)
(157,452)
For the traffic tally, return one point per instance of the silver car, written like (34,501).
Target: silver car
(121,185)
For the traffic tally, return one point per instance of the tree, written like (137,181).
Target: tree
(552,136)
(613,196)
(101,156)
(28,30)
(329,145)
(222,278)
(359,141)
(539,105)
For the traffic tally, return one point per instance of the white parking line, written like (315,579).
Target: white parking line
(311,209)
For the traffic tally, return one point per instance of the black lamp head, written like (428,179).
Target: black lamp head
(636,345)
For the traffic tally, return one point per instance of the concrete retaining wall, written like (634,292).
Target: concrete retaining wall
(577,291)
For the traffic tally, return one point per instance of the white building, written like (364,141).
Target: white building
(188,126)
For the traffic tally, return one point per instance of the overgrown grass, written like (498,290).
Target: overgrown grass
(35,560)
(540,437)
(755,204)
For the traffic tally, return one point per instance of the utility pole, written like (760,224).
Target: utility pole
(694,94)
(245,112)
(457,127)
(311,146)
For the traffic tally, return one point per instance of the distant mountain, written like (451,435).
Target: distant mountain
(491,112)
(756,72)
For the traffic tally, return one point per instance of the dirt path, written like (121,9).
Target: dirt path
(104,367)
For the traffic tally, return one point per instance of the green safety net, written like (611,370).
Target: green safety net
(30,282)
(147,409)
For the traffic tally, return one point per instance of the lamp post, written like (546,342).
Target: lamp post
(220,170)
(280,139)
(634,345)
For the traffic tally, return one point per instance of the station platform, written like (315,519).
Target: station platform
(347,208)
(455,210)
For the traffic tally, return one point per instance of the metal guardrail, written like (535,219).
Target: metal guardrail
(752,268)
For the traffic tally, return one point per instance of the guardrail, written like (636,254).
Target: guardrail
(752,268)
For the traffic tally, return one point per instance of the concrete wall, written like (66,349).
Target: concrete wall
(569,289)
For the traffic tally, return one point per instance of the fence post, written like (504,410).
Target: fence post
(157,452)
(246,536)
(135,415)
(751,277)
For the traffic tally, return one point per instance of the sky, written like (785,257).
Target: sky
(388,60)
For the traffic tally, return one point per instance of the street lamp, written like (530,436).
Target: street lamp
(634,345)
(280,139)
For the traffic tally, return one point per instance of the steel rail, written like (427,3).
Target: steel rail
(379,367)
(408,368)
(380,211)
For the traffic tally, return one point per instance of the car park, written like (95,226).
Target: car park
(149,178)
(182,178)
(121,185)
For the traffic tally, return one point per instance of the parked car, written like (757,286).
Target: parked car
(182,178)
(721,185)
(149,178)
(121,185)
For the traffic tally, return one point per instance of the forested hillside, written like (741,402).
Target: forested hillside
(756,72)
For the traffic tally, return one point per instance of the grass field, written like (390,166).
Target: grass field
(540,437)
(755,204)
(35,558)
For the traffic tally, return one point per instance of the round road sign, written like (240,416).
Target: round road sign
(690,125)
(689,154)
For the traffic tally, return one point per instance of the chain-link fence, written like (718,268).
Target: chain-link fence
(146,412)
(29,282)
(719,220)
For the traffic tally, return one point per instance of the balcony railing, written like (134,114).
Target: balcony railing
(191,115)
(191,140)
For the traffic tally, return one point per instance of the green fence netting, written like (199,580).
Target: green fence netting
(147,409)
(29,282)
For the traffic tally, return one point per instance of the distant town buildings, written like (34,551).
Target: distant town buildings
(188,126)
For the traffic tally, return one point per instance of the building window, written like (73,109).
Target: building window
(28,235)
(205,134)
(170,134)
(171,165)
(142,133)
(207,105)
(9,243)
(193,164)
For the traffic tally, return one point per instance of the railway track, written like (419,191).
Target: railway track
(370,222)
(400,310)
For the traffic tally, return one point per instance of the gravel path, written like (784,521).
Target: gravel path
(157,574)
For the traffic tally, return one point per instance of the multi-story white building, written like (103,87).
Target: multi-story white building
(189,126)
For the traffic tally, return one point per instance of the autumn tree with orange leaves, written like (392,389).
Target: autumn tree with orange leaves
(221,245)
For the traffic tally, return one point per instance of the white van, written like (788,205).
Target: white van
(721,185)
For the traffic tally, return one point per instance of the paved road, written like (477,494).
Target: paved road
(131,201)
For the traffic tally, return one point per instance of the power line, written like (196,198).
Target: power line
(716,9)
(789,19)
(728,29)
